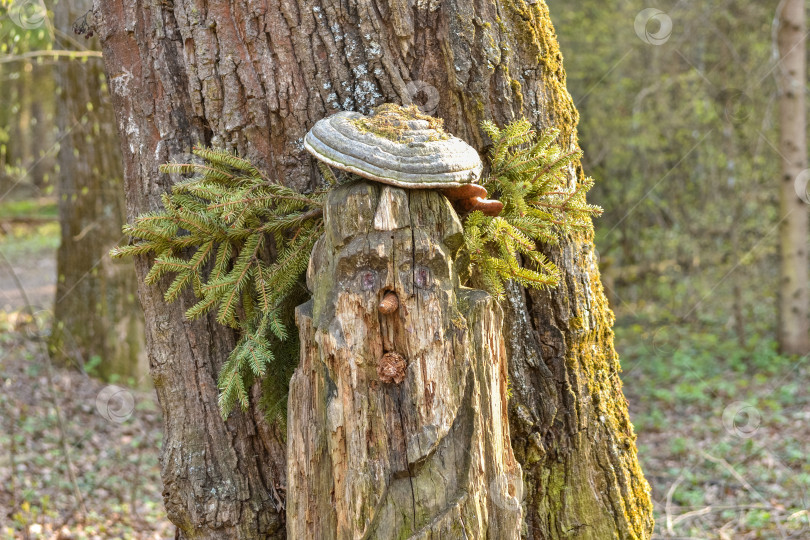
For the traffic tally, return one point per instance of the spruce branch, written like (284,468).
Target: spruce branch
(216,234)
(527,176)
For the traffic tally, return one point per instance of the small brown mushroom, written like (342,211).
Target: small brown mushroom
(471,197)
(489,207)
(467,191)
(389,303)
(392,368)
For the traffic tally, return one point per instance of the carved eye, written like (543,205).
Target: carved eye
(368,280)
(422,277)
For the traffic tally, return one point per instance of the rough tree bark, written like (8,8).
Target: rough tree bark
(398,425)
(254,75)
(794,291)
(95,311)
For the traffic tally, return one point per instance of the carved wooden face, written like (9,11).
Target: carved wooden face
(382,239)
(436,435)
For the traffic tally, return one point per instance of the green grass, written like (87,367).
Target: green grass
(40,233)
(722,430)
(29,208)
(25,240)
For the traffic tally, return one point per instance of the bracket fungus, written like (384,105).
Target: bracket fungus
(401,146)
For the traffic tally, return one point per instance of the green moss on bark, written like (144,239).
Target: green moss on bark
(586,482)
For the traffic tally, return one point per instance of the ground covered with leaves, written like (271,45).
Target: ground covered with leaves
(109,436)
(722,431)
(56,420)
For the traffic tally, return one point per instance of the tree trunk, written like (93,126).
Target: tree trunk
(95,311)
(42,130)
(15,184)
(24,131)
(6,96)
(794,291)
(397,420)
(254,76)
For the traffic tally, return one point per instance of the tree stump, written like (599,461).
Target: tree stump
(397,421)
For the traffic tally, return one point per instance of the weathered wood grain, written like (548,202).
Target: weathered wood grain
(429,457)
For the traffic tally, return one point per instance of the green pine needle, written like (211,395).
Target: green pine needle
(216,235)
(241,244)
(528,175)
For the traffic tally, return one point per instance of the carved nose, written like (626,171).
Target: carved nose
(389,303)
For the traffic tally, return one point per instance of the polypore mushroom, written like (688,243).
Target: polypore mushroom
(402,147)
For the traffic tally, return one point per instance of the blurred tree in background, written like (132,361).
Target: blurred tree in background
(58,138)
(680,128)
(791,74)
(26,114)
(96,311)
